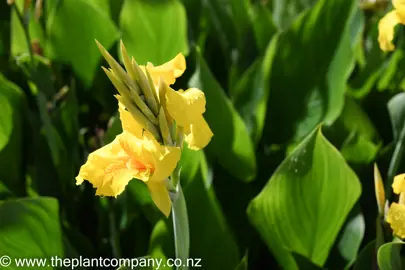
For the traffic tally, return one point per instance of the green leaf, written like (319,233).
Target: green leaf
(286,11)
(312,191)
(357,149)
(220,19)
(11,134)
(84,56)
(366,257)
(210,236)
(396,109)
(389,257)
(154,31)
(30,228)
(248,98)
(300,96)
(263,26)
(351,238)
(18,39)
(231,143)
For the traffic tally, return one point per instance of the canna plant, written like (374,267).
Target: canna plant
(156,121)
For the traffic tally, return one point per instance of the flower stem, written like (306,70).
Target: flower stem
(180,227)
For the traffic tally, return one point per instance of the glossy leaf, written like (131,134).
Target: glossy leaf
(289,203)
(30,228)
(154,31)
(324,40)
(231,143)
(84,56)
(389,257)
(11,134)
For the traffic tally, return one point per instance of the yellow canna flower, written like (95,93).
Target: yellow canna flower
(396,219)
(169,71)
(398,185)
(111,167)
(186,108)
(387,24)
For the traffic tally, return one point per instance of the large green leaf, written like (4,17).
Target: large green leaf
(231,143)
(313,60)
(306,201)
(389,257)
(11,135)
(154,31)
(87,22)
(30,229)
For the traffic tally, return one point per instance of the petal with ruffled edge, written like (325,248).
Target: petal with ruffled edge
(386,27)
(200,134)
(169,71)
(398,185)
(106,170)
(396,219)
(187,107)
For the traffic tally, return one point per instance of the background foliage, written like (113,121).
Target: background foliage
(300,98)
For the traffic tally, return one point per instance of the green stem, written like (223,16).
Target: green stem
(25,25)
(396,159)
(181,227)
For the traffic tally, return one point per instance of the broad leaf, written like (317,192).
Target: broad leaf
(231,143)
(389,257)
(305,203)
(30,228)
(154,31)
(313,60)
(11,134)
(84,56)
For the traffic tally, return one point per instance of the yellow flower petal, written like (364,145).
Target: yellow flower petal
(106,169)
(399,6)
(168,71)
(200,127)
(399,183)
(157,161)
(160,196)
(396,218)
(386,28)
(128,122)
(186,108)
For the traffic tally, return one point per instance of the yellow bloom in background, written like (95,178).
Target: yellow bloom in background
(396,218)
(399,184)
(396,213)
(387,24)
(111,167)
(186,108)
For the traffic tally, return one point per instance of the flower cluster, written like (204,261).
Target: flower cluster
(396,213)
(155,121)
(387,24)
